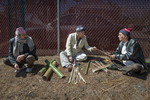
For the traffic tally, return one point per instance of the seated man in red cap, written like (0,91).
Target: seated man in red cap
(74,45)
(130,53)
(21,51)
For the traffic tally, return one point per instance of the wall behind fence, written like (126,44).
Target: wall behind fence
(102,20)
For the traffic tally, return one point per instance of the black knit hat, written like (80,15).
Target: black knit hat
(80,28)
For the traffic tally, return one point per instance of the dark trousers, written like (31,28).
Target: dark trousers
(29,60)
(135,67)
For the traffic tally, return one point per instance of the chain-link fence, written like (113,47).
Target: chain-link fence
(102,20)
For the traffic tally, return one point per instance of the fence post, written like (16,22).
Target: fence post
(23,14)
(58,27)
(9,14)
(16,14)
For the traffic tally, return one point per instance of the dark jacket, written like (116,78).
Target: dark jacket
(134,52)
(25,51)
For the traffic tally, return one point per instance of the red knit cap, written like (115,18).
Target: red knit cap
(126,31)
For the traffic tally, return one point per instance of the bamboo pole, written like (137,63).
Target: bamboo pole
(54,69)
(49,71)
(44,69)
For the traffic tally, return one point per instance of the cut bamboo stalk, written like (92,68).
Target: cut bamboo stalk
(96,65)
(68,77)
(71,73)
(73,78)
(102,66)
(54,69)
(81,77)
(87,67)
(44,69)
(49,71)
(77,79)
(76,74)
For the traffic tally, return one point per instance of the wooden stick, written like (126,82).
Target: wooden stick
(106,55)
(116,80)
(101,51)
(114,86)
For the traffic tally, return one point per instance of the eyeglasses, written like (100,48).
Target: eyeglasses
(82,32)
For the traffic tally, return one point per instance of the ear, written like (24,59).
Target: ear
(126,36)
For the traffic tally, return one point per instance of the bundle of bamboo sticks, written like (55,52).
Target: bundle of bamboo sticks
(100,66)
(75,76)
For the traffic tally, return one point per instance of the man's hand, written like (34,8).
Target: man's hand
(94,48)
(71,59)
(16,66)
(20,57)
(112,56)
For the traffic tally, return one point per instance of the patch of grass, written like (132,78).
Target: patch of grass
(148,62)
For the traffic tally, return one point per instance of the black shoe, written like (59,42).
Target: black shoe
(113,67)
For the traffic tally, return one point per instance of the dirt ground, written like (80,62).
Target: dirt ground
(100,85)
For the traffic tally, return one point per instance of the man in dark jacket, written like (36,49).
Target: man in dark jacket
(130,53)
(21,51)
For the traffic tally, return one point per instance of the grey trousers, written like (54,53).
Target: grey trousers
(65,60)
(135,67)
(30,59)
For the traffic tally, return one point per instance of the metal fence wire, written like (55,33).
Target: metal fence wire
(102,20)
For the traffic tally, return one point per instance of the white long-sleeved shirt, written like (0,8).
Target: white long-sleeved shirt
(71,46)
(124,51)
